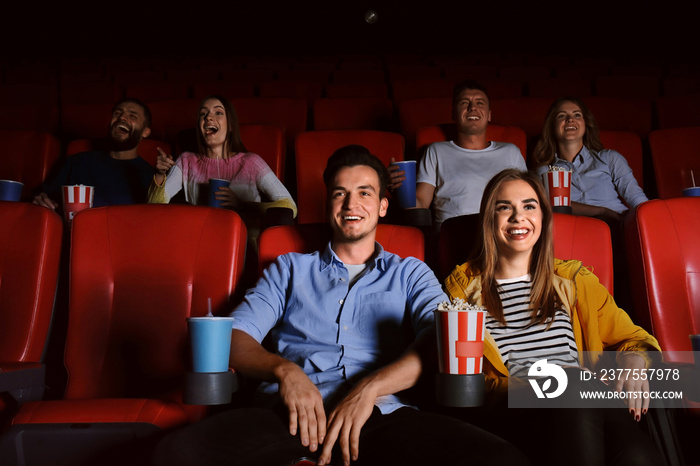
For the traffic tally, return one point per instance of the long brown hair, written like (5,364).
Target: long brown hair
(485,253)
(233,143)
(546,147)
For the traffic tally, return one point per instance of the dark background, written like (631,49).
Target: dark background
(77,28)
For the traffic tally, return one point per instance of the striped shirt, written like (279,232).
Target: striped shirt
(521,341)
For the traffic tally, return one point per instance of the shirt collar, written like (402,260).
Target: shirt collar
(328,257)
(583,153)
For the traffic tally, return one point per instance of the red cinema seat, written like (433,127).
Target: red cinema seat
(676,162)
(575,237)
(147,150)
(553,88)
(158,92)
(356,90)
(662,243)
(89,120)
(34,117)
(622,114)
(415,114)
(409,89)
(136,273)
(527,113)
(354,113)
(172,116)
(30,251)
(401,240)
(312,151)
(28,157)
(633,87)
(268,142)
(290,114)
(447,132)
(629,145)
(678,112)
(307,90)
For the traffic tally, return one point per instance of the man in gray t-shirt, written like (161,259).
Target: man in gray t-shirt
(452,175)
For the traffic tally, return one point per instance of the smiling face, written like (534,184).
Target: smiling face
(127,126)
(213,123)
(518,218)
(355,204)
(471,111)
(569,124)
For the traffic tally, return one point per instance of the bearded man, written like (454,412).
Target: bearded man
(118,174)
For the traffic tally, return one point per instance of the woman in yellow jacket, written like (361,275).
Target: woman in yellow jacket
(540,307)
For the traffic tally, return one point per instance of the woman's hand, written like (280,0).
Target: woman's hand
(227,197)
(164,162)
(629,382)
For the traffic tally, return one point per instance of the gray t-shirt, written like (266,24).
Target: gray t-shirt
(460,175)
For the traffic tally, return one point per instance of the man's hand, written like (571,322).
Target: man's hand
(396,175)
(346,422)
(627,383)
(45,201)
(305,405)
(164,162)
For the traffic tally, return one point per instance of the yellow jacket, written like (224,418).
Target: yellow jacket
(597,322)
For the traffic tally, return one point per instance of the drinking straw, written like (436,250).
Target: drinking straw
(692,178)
(209,314)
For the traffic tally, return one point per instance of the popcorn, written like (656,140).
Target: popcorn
(557,168)
(458,304)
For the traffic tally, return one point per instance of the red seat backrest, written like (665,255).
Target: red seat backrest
(664,257)
(675,153)
(136,273)
(28,157)
(353,113)
(30,251)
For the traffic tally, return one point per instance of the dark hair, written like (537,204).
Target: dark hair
(232,143)
(546,147)
(352,156)
(467,84)
(140,103)
(484,257)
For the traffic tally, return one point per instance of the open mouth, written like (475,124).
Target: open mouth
(473,118)
(122,128)
(518,233)
(210,130)
(352,218)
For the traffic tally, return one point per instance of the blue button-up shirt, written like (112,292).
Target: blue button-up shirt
(334,332)
(600,179)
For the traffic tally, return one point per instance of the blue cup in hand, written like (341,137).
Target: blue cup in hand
(214,185)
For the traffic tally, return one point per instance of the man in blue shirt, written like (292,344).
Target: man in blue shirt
(119,175)
(349,328)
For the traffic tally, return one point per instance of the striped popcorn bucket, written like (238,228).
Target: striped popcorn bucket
(75,199)
(558,185)
(460,336)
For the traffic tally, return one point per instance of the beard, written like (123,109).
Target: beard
(130,143)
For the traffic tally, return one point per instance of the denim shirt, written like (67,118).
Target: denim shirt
(601,179)
(336,333)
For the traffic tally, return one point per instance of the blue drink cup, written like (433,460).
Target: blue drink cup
(405,194)
(214,185)
(10,190)
(692,191)
(211,343)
